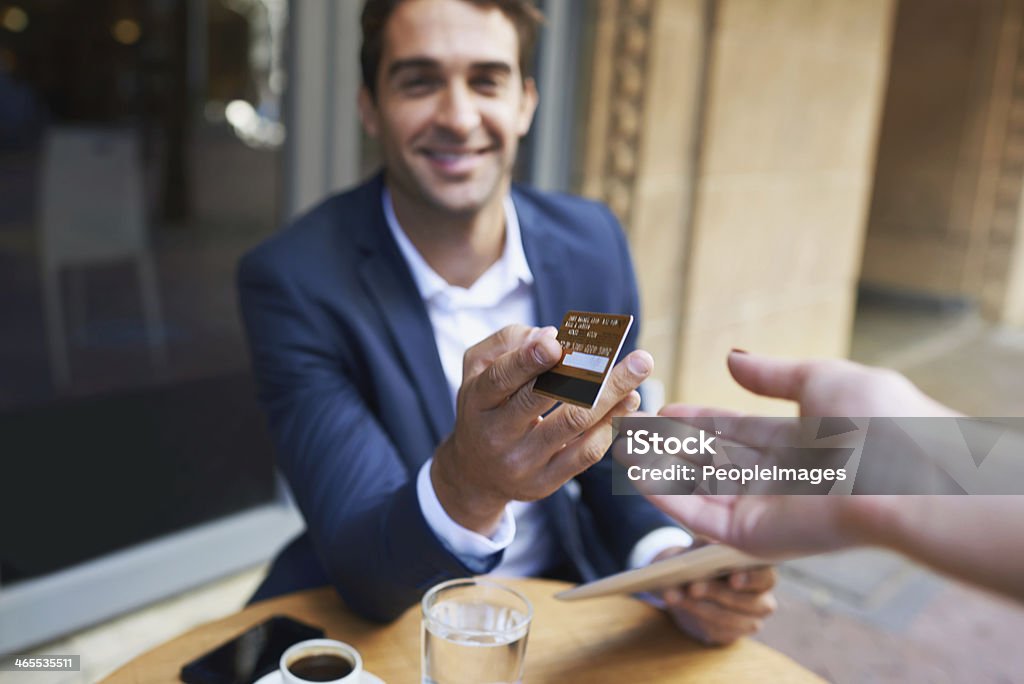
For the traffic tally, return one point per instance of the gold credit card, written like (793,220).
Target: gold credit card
(590,345)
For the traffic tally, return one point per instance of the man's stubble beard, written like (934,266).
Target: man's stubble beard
(422,193)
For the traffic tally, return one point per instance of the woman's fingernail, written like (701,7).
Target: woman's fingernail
(736,350)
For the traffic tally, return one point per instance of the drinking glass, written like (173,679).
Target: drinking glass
(474,632)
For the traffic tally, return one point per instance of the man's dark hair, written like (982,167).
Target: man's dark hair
(523,14)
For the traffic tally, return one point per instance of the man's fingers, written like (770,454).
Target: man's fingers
(755,604)
(525,404)
(587,449)
(719,625)
(568,421)
(491,348)
(497,382)
(623,379)
(754,580)
(769,376)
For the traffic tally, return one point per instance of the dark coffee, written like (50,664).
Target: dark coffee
(322,667)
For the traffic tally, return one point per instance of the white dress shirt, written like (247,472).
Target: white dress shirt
(462,317)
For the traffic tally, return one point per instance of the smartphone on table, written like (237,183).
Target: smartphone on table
(250,655)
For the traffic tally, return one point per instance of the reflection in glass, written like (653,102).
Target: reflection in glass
(127,195)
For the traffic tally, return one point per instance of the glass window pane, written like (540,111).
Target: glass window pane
(140,149)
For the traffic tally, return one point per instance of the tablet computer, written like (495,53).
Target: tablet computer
(705,562)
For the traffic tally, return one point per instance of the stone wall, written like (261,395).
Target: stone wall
(945,218)
(742,168)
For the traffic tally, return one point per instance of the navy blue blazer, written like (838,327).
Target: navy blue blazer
(352,385)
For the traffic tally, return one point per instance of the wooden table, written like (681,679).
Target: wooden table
(614,639)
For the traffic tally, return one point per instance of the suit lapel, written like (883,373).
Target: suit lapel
(386,278)
(547,257)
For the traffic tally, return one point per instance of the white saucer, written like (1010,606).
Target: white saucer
(275,678)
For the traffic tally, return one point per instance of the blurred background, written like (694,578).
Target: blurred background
(799,177)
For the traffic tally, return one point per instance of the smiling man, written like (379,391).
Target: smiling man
(394,335)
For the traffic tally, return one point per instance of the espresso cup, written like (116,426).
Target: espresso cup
(321,660)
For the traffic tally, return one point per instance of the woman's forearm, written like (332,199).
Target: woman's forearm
(974,538)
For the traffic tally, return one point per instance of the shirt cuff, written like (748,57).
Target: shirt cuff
(656,541)
(470,547)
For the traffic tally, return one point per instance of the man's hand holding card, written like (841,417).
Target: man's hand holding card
(501,450)
(590,344)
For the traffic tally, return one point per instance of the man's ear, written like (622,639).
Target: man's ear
(528,106)
(368,114)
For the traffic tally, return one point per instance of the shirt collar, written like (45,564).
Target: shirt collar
(503,277)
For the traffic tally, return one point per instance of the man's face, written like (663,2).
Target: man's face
(451,103)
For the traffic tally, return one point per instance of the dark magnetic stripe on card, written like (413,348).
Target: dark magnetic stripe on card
(575,389)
